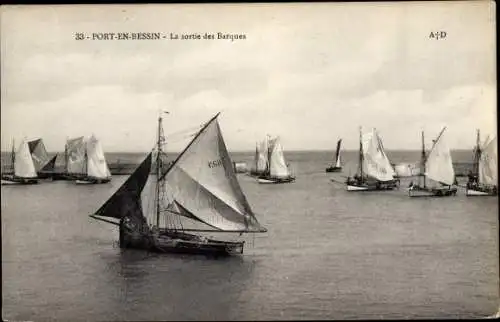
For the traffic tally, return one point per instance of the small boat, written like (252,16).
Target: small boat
(337,167)
(438,167)
(198,188)
(23,167)
(96,169)
(483,179)
(277,170)
(375,171)
(240,167)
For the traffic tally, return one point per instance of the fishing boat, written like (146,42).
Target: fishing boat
(95,167)
(483,179)
(438,168)
(199,188)
(375,171)
(337,167)
(74,157)
(261,159)
(43,166)
(23,171)
(277,170)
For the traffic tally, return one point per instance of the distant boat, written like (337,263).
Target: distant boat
(375,171)
(240,167)
(199,187)
(483,179)
(43,166)
(407,169)
(438,167)
(277,170)
(260,159)
(23,167)
(337,167)
(95,167)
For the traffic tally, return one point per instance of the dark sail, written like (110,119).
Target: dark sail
(49,167)
(338,150)
(127,199)
(38,153)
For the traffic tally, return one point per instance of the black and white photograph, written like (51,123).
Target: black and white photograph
(249,161)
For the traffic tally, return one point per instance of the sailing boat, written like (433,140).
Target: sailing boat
(199,187)
(74,157)
(277,170)
(23,167)
(43,166)
(438,167)
(337,167)
(261,159)
(375,171)
(95,167)
(483,181)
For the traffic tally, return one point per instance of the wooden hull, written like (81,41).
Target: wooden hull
(333,169)
(481,191)
(92,181)
(269,180)
(378,186)
(12,180)
(179,243)
(416,191)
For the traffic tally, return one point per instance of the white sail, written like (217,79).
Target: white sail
(262,156)
(339,163)
(96,162)
(488,171)
(75,150)
(204,187)
(23,163)
(277,164)
(376,162)
(439,166)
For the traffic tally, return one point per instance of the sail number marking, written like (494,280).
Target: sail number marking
(215,163)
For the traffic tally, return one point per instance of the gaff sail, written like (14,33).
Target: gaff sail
(375,161)
(439,165)
(488,162)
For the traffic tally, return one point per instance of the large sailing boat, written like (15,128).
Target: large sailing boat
(375,171)
(95,166)
(43,166)
(199,187)
(277,170)
(74,159)
(483,180)
(337,167)
(23,167)
(438,167)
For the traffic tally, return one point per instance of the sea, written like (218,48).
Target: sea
(328,254)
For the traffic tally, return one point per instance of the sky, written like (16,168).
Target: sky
(310,73)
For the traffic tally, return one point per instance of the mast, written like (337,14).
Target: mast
(423,159)
(66,156)
(477,155)
(269,152)
(361,153)
(13,157)
(158,173)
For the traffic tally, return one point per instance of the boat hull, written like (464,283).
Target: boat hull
(379,186)
(481,191)
(417,191)
(12,180)
(178,243)
(275,180)
(333,169)
(84,181)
